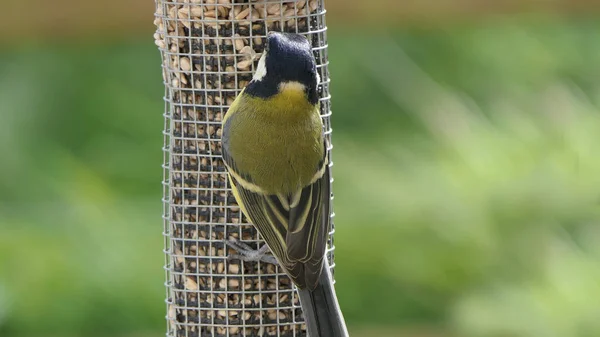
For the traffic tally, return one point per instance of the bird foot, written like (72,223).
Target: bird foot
(247,254)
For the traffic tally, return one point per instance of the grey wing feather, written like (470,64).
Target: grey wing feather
(268,221)
(308,228)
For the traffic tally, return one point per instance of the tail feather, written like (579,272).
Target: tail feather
(321,310)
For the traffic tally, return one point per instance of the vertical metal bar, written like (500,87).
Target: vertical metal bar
(209,50)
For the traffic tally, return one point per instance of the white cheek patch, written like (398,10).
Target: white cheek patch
(318,78)
(261,69)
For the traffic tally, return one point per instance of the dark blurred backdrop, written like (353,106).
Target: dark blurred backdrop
(471,211)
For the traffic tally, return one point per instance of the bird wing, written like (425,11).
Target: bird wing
(294,227)
(308,227)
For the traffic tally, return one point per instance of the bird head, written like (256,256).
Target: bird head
(287,63)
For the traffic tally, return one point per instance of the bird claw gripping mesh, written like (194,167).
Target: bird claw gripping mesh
(245,253)
(209,50)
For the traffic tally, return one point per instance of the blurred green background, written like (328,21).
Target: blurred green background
(467,173)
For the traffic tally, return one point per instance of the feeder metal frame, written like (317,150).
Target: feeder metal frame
(209,51)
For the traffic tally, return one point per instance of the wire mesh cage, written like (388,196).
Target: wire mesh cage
(210,49)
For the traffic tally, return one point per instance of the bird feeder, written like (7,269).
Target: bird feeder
(209,50)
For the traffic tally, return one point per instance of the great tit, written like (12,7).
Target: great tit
(275,151)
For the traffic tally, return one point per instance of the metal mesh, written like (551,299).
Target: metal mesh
(209,51)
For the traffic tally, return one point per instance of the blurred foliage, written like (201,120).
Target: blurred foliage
(465,177)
